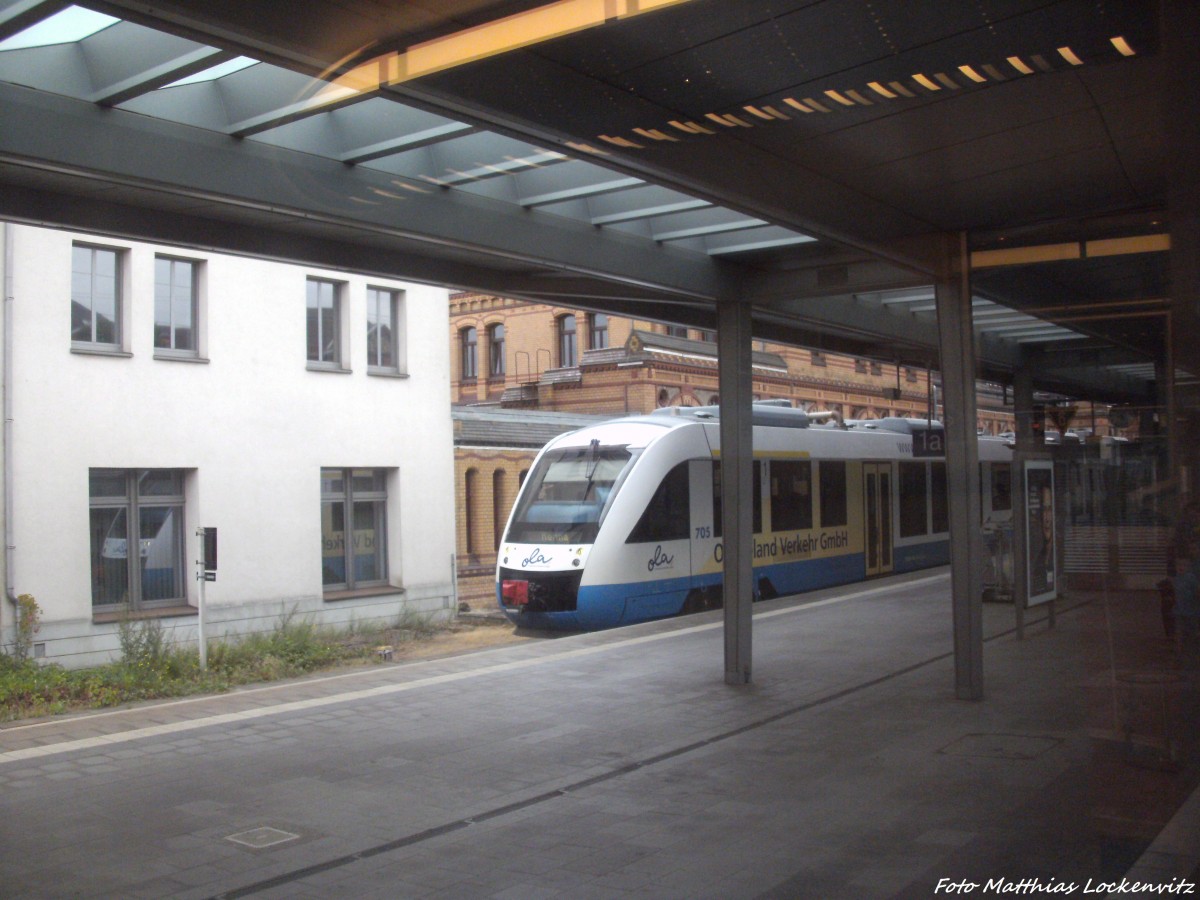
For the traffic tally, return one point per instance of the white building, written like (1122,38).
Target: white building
(151,391)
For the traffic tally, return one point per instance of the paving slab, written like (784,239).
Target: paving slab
(620,764)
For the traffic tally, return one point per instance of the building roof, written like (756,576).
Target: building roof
(650,343)
(491,426)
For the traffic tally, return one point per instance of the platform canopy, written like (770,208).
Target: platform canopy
(642,157)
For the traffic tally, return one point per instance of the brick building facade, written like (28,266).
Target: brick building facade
(515,354)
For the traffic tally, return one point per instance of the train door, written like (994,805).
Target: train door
(707,569)
(877,517)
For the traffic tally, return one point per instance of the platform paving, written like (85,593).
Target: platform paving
(621,765)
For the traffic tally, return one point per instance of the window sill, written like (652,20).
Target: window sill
(379,590)
(85,350)
(386,373)
(327,367)
(155,612)
(180,357)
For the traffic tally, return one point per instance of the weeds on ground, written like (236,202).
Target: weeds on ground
(150,667)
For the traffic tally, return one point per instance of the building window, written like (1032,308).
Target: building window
(95,297)
(860,366)
(496,351)
(818,358)
(566,341)
(175,307)
(679,331)
(469,341)
(357,559)
(141,509)
(876,369)
(324,323)
(709,337)
(597,331)
(383,330)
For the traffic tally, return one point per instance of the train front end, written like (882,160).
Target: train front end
(542,569)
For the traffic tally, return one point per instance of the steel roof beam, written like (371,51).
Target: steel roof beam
(645,202)
(122,148)
(574,180)
(406,142)
(748,239)
(160,75)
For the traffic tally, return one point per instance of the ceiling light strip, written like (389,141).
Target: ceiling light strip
(1069,55)
(1122,46)
(983,73)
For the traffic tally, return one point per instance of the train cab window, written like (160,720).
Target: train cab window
(570,489)
(791,495)
(667,515)
(833,493)
(757,492)
(914,518)
(940,501)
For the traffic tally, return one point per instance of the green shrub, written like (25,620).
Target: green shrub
(29,617)
(150,667)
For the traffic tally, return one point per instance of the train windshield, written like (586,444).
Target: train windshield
(566,494)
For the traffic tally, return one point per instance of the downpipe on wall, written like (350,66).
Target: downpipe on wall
(7,439)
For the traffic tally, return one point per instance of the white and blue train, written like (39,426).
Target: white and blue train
(620,522)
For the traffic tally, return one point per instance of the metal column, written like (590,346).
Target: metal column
(734,353)
(957,350)
(1181,68)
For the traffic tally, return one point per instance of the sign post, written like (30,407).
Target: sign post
(208,572)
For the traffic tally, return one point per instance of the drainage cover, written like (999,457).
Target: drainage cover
(261,838)
(1001,746)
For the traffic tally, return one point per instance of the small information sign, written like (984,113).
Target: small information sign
(929,442)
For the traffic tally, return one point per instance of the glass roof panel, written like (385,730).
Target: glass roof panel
(71,24)
(215,72)
(245,98)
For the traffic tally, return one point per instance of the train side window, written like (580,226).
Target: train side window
(833,493)
(913,516)
(667,516)
(791,495)
(757,513)
(940,504)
